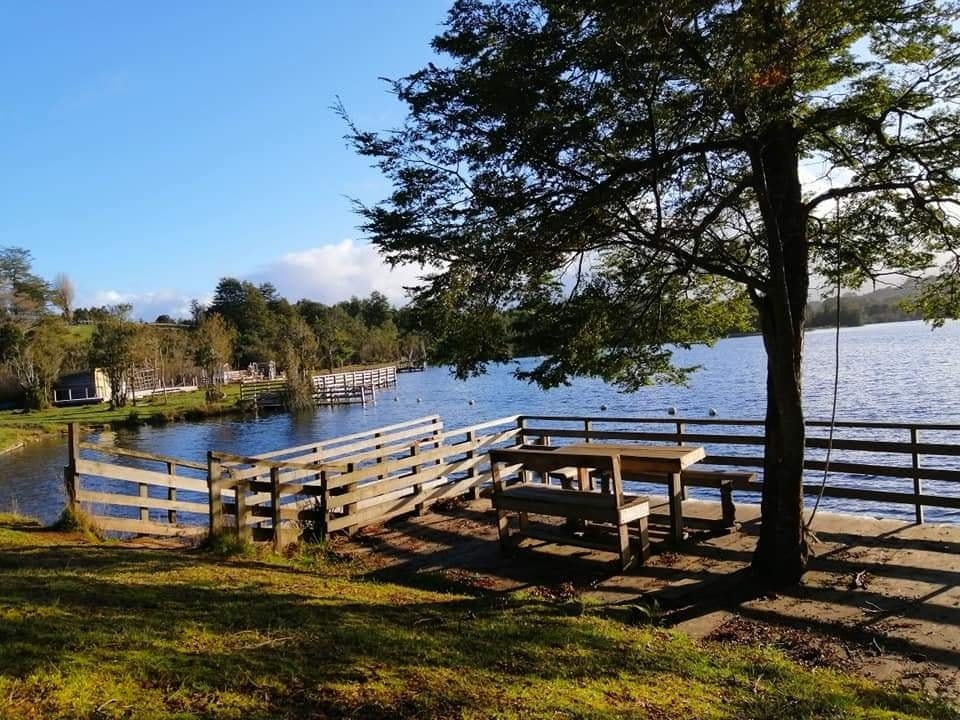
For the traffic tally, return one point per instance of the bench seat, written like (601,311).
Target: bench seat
(575,505)
(571,504)
(723,480)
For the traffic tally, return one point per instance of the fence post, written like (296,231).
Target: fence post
(324,510)
(351,508)
(418,487)
(240,495)
(587,429)
(680,429)
(917,482)
(71,477)
(215,488)
(172,493)
(472,470)
(275,516)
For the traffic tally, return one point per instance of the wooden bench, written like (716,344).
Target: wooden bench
(723,480)
(612,508)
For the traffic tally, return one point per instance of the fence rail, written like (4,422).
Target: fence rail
(874,458)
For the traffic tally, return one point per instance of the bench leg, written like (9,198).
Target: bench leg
(675,499)
(524,520)
(503,530)
(626,549)
(727,507)
(644,530)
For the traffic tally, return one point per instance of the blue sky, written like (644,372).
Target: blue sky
(150,148)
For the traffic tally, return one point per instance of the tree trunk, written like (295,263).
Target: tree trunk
(781,555)
(782,551)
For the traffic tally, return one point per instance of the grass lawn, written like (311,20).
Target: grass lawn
(16,425)
(112,631)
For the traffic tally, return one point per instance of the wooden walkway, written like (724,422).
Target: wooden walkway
(881,596)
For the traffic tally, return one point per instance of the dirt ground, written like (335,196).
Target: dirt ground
(880,597)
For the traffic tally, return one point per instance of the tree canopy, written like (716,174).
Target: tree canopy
(631,174)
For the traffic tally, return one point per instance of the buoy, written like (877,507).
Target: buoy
(419,399)
(713,412)
(470,402)
(671,410)
(603,407)
(396,399)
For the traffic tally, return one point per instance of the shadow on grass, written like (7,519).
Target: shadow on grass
(298,643)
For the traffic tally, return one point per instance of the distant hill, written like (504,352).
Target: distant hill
(879,306)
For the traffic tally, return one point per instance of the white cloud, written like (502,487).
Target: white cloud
(327,274)
(146,306)
(335,272)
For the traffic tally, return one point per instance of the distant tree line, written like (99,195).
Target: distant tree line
(42,335)
(892,304)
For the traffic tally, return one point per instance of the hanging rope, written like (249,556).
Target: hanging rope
(836,385)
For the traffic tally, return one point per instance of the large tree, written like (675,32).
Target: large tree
(112,350)
(629,169)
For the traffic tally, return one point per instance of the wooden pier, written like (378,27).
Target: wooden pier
(409,367)
(346,388)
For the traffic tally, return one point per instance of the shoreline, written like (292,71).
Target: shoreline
(38,428)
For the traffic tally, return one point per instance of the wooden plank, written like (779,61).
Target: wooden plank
(103,498)
(385,511)
(847,468)
(387,451)
(510,419)
(571,504)
(139,527)
(324,444)
(339,452)
(387,468)
(285,489)
(123,452)
(150,477)
(733,422)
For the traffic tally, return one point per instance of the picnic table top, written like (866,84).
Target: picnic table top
(634,457)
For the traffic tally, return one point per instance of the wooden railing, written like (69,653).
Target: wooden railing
(375,378)
(124,491)
(255,390)
(371,476)
(348,482)
(883,454)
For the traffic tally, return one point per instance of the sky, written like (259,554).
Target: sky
(149,149)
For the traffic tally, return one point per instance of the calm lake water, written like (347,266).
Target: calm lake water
(894,372)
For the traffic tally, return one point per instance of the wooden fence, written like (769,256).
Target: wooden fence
(352,481)
(369,477)
(264,392)
(358,386)
(129,491)
(375,378)
(890,463)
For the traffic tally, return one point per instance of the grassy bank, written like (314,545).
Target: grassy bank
(113,631)
(17,426)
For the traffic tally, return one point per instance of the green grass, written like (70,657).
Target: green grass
(112,631)
(16,425)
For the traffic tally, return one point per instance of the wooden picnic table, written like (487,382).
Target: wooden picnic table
(668,460)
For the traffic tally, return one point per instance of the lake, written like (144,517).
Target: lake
(895,372)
